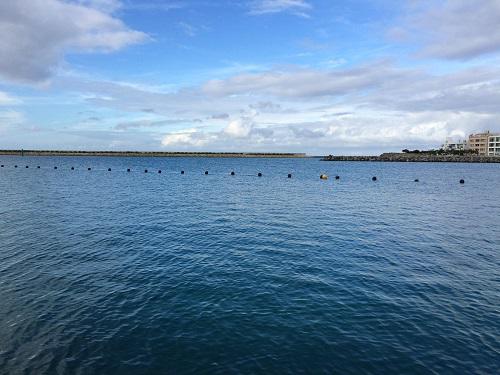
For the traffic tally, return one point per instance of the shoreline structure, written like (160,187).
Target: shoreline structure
(420,157)
(386,157)
(152,154)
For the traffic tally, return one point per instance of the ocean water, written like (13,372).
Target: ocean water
(109,272)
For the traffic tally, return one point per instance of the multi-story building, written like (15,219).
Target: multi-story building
(494,145)
(452,145)
(479,142)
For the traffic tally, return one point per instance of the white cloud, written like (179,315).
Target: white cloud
(239,128)
(187,137)
(6,99)
(367,133)
(35,34)
(297,7)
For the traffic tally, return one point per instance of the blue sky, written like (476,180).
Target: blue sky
(341,77)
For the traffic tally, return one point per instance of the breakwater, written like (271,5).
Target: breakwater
(152,154)
(407,157)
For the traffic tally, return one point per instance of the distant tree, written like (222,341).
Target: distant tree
(406,151)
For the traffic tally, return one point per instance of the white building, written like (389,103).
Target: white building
(453,145)
(494,145)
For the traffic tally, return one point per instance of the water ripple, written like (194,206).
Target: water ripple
(115,272)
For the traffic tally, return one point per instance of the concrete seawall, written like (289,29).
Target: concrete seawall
(152,154)
(423,158)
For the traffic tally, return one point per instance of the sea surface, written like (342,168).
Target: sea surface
(116,272)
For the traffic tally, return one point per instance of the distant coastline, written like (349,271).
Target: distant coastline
(423,158)
(152,154)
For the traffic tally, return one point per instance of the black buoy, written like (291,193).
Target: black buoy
(337,177)
(416,180)
(15,166)
(182,172)
(374,178)
(289,175)
(88,169)
(145,171)
(109,169)
(128,169)
(259,174)
(159,171)
(232,173)
(72,168)
(27,167)
(206,172)
(38,167)
(2,166)
(55,167)
(462,181)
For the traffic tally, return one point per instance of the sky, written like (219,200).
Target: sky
(337,77)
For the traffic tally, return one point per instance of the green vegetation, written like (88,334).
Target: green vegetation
(441,152)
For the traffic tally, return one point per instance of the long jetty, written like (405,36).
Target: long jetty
(152,154)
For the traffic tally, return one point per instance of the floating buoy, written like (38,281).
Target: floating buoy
(27,166)
(337,177)
(15,166)
(159,171)
(259,174)
(374,178)
(462,181)
(182,172)
(55,167)
(206,172)
(145,171)
(289,175)
(232,173)
(38,167)
(128,169)
(88,169)
(109,169)
(416,180)
(72,168)
(323,177)
(2,166)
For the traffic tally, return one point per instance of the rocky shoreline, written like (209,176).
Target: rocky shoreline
(423,158)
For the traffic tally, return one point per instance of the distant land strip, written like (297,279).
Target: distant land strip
(409,157)
(153,154)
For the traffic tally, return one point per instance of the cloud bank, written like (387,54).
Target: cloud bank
(443,84)
(35,34)
(453,29)
(375,106)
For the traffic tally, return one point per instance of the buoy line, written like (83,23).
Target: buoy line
(322,176)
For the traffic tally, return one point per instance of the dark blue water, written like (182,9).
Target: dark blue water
(132,273)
